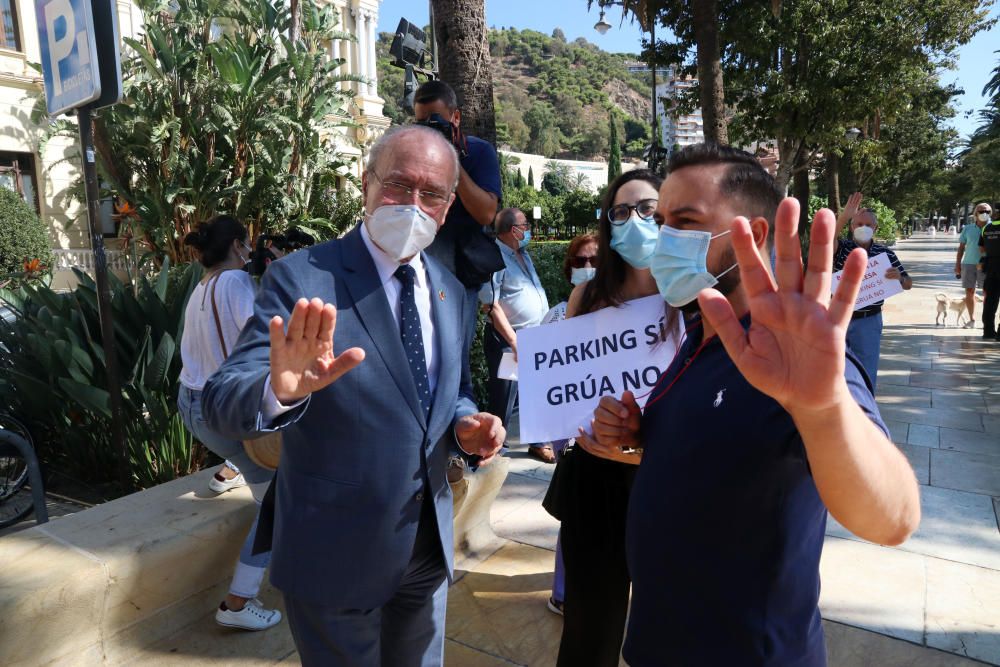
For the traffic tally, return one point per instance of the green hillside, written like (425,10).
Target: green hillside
(552,96)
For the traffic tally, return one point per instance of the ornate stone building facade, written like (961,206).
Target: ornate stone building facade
(45,174)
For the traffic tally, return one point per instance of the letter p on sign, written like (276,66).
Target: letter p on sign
(68,48)
(59,14)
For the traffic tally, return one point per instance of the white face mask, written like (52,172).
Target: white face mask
(401,231)
(863,234)
(983,217)
(580,276)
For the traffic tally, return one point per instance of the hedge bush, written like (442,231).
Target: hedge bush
(23,236)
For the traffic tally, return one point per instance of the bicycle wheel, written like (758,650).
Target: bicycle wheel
(13,467)
(16,501)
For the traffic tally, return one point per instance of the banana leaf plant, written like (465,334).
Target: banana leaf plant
(53,375)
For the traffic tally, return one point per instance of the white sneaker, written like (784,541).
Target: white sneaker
(971,324)
(253,616)
(220,484)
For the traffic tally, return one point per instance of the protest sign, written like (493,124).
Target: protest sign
(564,368)
(875,286)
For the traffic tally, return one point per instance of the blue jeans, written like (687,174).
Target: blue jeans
(864,339)
(250,569)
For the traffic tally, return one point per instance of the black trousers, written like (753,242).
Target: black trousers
(500,393)
(991,288)
(597,579)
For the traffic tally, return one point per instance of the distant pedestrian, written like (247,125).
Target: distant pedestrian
(216,312)
(514,299)
(864,334)
(967,262)
(989,246)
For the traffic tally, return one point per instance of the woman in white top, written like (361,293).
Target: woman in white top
(209,335)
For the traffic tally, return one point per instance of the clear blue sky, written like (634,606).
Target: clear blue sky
(975,63)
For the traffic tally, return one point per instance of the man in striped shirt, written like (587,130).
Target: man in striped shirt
(864,334)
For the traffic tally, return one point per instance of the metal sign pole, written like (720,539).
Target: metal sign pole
(103,296)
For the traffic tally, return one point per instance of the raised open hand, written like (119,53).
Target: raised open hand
(794,349)
(302,359)
(848,212)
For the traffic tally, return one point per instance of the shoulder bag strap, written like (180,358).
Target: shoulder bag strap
(215,313)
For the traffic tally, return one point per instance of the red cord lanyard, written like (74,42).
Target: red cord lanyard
(677,377)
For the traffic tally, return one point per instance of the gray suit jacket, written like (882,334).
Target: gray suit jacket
(359,455)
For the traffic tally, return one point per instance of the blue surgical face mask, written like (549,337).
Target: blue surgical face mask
(678,264)
(523,243)
(580,276)
(635,240)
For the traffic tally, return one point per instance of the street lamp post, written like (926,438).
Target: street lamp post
(602,27)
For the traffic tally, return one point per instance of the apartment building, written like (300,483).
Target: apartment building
(678,130)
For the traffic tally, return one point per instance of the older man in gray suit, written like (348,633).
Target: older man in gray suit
(369,384)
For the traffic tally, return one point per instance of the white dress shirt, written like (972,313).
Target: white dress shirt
(385,266)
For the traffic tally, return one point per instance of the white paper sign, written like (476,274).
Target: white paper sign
(875,287)
(566,367)
(508,367)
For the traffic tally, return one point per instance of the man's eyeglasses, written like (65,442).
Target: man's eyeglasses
(581,261)
(399,192)
(619,215)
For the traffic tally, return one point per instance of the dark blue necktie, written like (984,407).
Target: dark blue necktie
(413,339)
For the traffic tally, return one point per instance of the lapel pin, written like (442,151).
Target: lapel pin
(441,295)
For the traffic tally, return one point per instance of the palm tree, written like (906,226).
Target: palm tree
(460,31)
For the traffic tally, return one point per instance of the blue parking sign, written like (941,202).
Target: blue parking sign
(69,53)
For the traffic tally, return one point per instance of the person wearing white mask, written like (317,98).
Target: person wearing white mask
(579,266)
(967,262)
(513,299)
(864,334)
(356,353)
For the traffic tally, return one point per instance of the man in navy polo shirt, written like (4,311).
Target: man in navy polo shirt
(762,424)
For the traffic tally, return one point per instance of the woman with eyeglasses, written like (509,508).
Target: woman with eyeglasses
(216,311)
(594,486)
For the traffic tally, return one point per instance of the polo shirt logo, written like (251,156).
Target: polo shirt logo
(718,398)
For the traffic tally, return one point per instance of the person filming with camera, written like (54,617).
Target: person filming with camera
(461,244)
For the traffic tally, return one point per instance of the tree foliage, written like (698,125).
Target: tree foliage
(23,240)
(551,96)
(978,175)
(615,158)
(222,112)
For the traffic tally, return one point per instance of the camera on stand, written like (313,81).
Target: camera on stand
(262,254)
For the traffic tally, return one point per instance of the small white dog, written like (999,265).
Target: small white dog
(953,303)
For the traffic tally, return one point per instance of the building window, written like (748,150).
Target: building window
(17,173)
(10,36)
